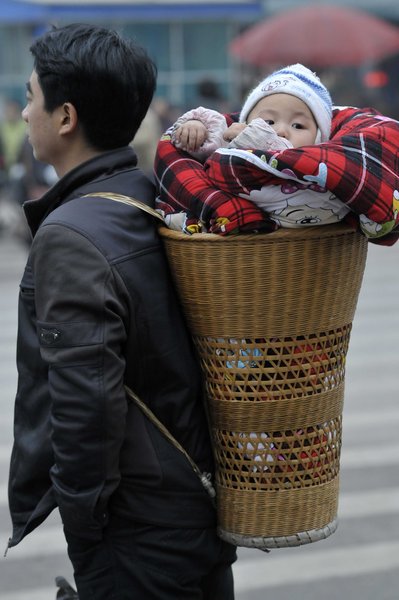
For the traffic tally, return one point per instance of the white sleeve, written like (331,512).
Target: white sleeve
(259,135)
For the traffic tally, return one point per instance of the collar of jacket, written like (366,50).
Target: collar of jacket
(104,164)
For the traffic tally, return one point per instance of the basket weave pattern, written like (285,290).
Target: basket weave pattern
(271,318)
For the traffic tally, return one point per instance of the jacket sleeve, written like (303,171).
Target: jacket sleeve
(215,124)
(81,312)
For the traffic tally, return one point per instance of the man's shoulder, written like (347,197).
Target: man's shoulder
(113,227)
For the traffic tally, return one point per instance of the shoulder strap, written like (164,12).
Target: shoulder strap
(127,200)
(205,478)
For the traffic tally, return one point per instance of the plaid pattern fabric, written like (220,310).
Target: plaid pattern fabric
(184,186)
(361,167)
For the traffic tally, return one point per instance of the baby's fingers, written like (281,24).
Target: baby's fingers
(191,138)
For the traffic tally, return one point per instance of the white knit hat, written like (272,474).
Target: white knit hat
(298,81)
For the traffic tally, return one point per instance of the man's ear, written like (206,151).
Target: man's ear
(69,118)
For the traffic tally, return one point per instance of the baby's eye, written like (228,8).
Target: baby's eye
(298,126)
(269,121)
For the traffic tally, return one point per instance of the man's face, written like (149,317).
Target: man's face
(42,126)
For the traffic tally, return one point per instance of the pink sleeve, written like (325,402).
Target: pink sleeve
(215,124)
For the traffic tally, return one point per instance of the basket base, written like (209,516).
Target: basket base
(288,541)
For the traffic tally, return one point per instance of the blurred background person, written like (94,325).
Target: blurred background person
(146,141)
(12,132)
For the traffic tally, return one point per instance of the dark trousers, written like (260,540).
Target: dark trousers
(142,562)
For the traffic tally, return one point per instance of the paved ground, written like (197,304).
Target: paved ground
(361,560)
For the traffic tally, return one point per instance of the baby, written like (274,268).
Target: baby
(290,108)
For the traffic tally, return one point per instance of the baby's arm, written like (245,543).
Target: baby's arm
(257,135)
(199,132)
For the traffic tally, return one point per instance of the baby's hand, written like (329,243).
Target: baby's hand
(190,136)
(232,131)
(261,136)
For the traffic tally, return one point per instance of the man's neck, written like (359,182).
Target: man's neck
(73,159)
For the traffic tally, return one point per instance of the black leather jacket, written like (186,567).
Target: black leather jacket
(97,309)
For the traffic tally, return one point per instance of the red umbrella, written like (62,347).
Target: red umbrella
(317,35)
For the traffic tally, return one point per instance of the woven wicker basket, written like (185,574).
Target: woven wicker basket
(271,317)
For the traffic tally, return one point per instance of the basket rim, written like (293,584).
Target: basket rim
(310,232)
(284,541)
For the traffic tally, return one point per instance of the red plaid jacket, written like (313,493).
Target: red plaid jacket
(362,159)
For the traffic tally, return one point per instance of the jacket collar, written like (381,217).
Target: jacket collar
(63,191)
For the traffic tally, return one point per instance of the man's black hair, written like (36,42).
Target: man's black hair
(109,80)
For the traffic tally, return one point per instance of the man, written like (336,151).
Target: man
(97,312)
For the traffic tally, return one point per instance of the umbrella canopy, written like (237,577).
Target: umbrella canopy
(317,35)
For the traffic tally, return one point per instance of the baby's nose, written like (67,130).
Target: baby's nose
(281,129)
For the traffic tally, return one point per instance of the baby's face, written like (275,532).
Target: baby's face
(289,116)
